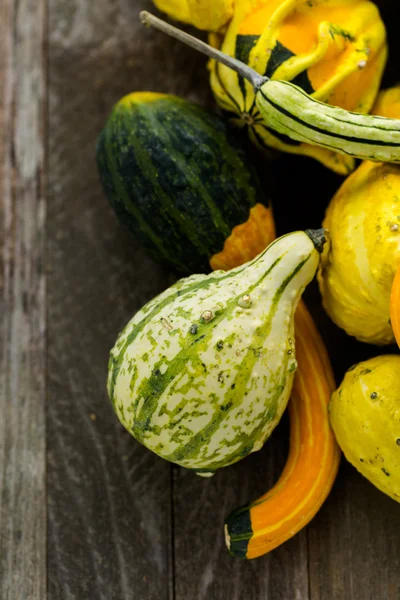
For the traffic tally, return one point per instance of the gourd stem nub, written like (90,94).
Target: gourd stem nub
(244,70)
(318,237)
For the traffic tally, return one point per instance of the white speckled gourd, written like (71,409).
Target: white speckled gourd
(202,374)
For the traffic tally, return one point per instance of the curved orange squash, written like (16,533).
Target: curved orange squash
(395,307)
(313,459)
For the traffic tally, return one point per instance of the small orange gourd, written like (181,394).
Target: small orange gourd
(395,307)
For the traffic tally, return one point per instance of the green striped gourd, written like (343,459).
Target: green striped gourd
(290,111)
(178,177)
(201,375)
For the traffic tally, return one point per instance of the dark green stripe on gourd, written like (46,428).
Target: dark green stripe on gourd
(177,177)
(291,115)
(279,55)
(238,528)
(192,349)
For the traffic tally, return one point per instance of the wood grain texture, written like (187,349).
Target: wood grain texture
(354,543)
(22,300)
(109,498)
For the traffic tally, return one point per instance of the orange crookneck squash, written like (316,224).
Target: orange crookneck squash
(312,462)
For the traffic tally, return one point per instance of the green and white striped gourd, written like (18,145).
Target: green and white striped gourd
(202,374)
(290,111)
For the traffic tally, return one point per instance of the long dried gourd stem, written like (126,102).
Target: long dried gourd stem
(244,70)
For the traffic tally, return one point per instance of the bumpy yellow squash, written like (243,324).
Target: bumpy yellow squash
(363,218)
(209,15)
(365,416)
(334,49)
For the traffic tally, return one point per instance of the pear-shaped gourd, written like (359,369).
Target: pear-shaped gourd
(202,374)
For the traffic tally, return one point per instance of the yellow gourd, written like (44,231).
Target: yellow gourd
(209,15)
(334,49)
(365,416)
(363,219)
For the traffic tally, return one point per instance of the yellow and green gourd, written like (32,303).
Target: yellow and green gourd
(358,269)
(290,111)
(202,374)
(365,416)
(334,50)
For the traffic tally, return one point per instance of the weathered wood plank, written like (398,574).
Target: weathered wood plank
(109,498)
(354,543)
(22,300)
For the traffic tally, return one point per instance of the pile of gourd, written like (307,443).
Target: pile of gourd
(202,374)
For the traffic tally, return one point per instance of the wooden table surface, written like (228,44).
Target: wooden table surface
(85,511)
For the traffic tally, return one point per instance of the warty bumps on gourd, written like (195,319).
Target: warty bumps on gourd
(202,374)
(335,50)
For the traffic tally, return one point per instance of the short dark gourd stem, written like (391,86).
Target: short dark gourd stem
(244,70)
(318,237)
